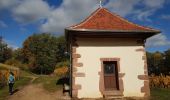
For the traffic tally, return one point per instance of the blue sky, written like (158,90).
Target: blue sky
(21,18)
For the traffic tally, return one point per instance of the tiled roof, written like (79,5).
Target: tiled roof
(102,19)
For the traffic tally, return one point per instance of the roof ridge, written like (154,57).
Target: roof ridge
(87,18)
(124,19)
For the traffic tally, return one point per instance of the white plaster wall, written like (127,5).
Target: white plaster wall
(131,64)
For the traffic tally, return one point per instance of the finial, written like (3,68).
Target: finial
(100,5)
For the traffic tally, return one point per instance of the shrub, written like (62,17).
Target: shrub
(61,71)
(160,81)
(4,74)
(1,80)
(61,64)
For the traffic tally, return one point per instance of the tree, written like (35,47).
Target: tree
(150,62)
(5,51)
(167,61)
(159,62)
(18,55)
(43,51)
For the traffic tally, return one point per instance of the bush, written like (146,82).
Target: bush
(61,68)
(160,81)
(2,80)
(4,74)
(61,71)
(61,64)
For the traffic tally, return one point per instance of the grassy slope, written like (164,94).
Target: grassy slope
(160,94)
(27,74)
(48,82)
(3,66)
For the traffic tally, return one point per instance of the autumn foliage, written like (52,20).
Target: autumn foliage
(160,81)
(43,51)
(4,74)
(62,71)
(158,62)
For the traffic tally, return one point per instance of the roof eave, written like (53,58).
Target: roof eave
(113,31)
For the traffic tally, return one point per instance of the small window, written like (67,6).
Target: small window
(109,67)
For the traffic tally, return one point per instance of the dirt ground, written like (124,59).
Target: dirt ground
(36,92)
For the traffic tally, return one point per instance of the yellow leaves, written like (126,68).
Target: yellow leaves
(61,71)
(4,74)
(160,81)
(157,55)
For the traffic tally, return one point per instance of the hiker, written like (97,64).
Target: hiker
(11,81)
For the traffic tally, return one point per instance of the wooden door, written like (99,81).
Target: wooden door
(110,75)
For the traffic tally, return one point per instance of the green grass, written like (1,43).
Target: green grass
(160,94)
(27,74)
(48,82)
(22,82)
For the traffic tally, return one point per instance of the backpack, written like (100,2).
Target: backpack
(11,79)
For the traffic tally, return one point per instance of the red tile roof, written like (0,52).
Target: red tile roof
(102,19)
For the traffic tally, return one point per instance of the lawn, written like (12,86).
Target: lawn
(48,82)
(160,94)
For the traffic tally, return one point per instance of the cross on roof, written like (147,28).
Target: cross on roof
(100,3)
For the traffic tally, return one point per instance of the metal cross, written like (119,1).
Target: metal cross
(100,5)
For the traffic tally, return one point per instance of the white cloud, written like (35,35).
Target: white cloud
(3,25)
(11,44)
(166,17)
(127,7)
(14,47)
(73,11)
(154,3)
(143,15)
(31,10)
(70,12)
(122,7)
(158,40)
(7,4)
(149,8)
